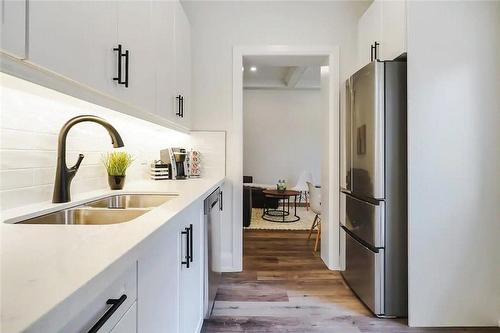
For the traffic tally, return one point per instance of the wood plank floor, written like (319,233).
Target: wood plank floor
(284,287)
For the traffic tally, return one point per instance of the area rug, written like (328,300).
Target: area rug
(305,222)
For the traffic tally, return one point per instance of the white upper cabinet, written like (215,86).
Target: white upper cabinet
(79,40)
(75,39)
(135,37)
(163,32)
(393,29)
(369,32)
(182,66)
(13,27)
(383,22)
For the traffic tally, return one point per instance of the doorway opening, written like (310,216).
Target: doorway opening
(282,146)
(286,132)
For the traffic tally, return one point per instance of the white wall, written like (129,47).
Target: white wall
(454,163)
(30,121)
(282,134)
(218,26)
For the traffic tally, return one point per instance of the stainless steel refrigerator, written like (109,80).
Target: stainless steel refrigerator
(374,187)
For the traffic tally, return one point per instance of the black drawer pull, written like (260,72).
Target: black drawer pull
(191,242)
(115,304)
(221,202)
(188,243)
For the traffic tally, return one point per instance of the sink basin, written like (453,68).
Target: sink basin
(117,208)
(90,216)
(125,201)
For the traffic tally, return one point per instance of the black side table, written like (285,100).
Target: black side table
(280,215)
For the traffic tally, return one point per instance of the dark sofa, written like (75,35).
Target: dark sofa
(253,197)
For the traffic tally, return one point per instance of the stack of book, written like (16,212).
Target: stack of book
(160,170)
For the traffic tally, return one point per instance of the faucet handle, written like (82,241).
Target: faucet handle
(77,165)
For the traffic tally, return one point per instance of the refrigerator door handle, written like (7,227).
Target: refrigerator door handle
(360,241)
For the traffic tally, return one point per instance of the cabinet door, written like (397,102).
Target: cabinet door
(75,39)
(13,27)
(192,277)
(158,281)
(393,29)
(135,35)
(369,31)
(128,323)
(163,32)
(183,62)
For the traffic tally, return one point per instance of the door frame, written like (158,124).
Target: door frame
(330,245)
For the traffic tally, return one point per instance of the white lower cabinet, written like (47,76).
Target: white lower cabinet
(161,292)
(192,269)
(128,323)
(171,275)
(158,281)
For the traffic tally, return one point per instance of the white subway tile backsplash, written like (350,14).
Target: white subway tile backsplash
(22,139)
(11,179)
(25,195)
(30,121)
(22,159)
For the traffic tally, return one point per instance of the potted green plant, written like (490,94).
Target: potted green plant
(116,163)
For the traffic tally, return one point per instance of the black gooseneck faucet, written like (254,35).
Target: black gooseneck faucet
(64,175)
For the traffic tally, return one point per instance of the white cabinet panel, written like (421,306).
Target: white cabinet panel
(192,277)
(75,39)
(158,281)
(183,62)
(135,35)
(128,323)
(13,27)
(163,32)
(393,29)
(369,32)
(383,22)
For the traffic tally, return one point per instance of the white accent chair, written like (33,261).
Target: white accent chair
(301,186)
(315,202)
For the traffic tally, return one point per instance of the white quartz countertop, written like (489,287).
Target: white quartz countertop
(43,265)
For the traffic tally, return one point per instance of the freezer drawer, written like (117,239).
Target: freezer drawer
(364,219)
(364,273)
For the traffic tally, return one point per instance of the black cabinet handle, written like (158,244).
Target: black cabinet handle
(375,46)
(119,77)
(221,201)
(188,243)
(115,304)
(127,53)
(191,243)
(180,106)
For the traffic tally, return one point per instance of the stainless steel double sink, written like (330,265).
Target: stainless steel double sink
(112,209)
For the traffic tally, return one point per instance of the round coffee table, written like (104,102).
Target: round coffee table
(280,215)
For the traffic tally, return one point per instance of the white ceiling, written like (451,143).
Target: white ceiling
(282,72)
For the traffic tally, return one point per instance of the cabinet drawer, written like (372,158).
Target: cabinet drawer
(364,219)
(92,312)
(364,273)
